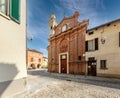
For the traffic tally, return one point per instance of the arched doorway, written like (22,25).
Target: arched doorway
(33,66)
(38,65)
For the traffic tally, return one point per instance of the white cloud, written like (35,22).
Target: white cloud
(37,21)
(86,8)
(100,3)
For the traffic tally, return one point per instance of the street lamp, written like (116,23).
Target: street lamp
(31,37)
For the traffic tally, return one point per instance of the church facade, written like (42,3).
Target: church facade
(66,50)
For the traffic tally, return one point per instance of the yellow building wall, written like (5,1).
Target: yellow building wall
(45,63)
(109,51)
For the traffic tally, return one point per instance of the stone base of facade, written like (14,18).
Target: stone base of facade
(73,69)
(13,87)
(53,68)
(109,75)
(77,68)
(77,73)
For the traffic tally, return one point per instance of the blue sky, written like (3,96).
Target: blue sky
(97,11)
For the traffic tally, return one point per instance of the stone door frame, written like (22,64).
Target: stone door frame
(67,61)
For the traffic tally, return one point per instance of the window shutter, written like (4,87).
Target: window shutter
(96,44)
(15,10)
(86,45)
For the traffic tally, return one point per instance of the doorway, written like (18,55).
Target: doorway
(91,66)
(63,59)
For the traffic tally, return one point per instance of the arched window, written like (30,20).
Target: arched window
(31,59)
(39,60)
(64,28)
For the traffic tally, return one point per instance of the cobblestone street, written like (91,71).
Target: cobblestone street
(42,84)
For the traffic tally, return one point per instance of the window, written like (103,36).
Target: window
(90,33)
(79,58)
(31,59)
(92,45)
(51,27)
(63,57)
(103,64)
(108,24)
(64,28)
(3,6)
(12,7)
(39,60)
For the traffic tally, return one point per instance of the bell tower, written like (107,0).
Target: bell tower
(52,24)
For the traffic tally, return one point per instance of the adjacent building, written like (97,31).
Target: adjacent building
(45,62)
(13,47)
(103,50)
(34,59)
(66,51)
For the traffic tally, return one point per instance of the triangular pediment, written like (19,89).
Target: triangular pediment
(70,22)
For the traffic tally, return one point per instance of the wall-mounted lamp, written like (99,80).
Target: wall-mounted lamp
(83,55)
(103,39)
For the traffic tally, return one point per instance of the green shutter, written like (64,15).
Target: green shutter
(15,10)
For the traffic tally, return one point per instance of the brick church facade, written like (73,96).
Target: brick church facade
(66,51)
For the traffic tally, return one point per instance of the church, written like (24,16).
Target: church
(66,50)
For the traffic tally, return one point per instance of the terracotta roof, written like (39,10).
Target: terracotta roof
(33,50)
(103,24)
(45,57)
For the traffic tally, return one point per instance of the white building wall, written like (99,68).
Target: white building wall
(13,46)
(109,51)
(12,51)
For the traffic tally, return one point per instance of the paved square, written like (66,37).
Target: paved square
(42,84)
